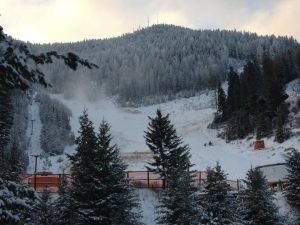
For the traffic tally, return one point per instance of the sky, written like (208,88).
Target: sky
(48,21)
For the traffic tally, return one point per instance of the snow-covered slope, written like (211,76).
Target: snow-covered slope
(33,132)
(191,117)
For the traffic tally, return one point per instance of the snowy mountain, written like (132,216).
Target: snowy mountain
(161,62)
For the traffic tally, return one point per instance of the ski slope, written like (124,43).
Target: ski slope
(33,132)
(191,117)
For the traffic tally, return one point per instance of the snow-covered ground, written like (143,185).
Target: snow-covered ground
(191,117)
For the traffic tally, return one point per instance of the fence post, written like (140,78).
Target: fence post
(148,181)
(199,178)
(127,176)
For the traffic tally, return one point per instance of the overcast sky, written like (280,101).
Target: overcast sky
(73,20)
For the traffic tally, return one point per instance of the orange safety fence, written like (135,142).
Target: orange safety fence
(42,181)
(139,179)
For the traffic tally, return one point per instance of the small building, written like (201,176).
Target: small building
(276,174)
(259,144)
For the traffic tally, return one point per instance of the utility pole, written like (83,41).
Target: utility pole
(35,168)
(32,126)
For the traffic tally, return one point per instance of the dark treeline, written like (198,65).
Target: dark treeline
(56,130)
(162,61)
(255,100)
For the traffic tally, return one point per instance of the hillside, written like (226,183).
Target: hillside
(161,62)
(191,117)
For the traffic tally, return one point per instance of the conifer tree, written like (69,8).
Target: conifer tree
(64,209)
(234,92)
(83,190)
(292,190)
(273,86)
(221,100)
(15,165)
(168,149)
(99,193)
(16,202)
(172,162)
(115,200)
(43,210)
(217,200)
(263,125)
(178,204)
(256,201)
(281,132)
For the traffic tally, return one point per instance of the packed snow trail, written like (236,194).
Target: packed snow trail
(33,132)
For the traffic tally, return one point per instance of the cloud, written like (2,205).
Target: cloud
(284,19)
(73,20)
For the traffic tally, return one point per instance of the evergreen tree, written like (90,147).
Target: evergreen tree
(43,210)
(217,200)
(64,209)
(292,190)
(15,165)
(116,200)
(263,125)
(221,100)
(167,148)
(239,125)
(16,202)
(6,121)
(234,92)
(99,193)
(172,162)
(82,191)
(256,201)
(178,203)
(281,132)
(273,86)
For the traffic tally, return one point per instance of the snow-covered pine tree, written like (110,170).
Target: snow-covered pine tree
(64,212)
(14,163)
(167,148)
(217,201)
(282,133)
(99,193)
(172,161)
(16,200)
(6,121)
(16,203)
(43,210)
(115,201)
(83,189)
(221,100)
(178,204)
(256,201)
(292,190)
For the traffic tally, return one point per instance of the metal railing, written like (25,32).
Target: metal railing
(138,179)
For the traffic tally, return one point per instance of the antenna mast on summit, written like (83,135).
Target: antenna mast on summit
(148,21)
